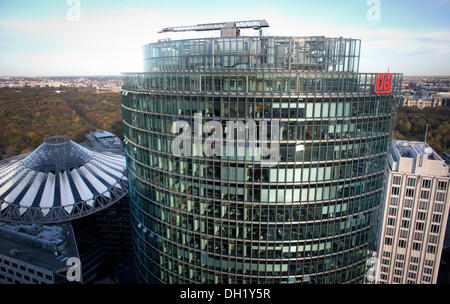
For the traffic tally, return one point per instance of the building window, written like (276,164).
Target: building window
(400,257)
(402,243)
(394,201)
(433,239)
(411,182)
(428,270)
(421,216)
(426,278)
(409,192)
(423,205)
(403,234)
(429,263)
(440,196)
(393,211)
(426,183)
(413,267)
(405,223)
(389,231)
(409,203)
(406,213)
(388,241)
(411,275)
(425,194)
(419,226)
(434,228)
(438,207)
(395,190)
(397,180)
(416,246)
(391,221)
(431,249)
(397,280)
(414,260)
(418,236)
(436,218)
(442,185)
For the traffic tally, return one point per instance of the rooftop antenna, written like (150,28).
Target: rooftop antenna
(227,29)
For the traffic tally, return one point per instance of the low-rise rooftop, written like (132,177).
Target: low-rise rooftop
(417,158)
(45,246)
(104,139)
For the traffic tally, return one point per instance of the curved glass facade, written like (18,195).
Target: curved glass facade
(199,219)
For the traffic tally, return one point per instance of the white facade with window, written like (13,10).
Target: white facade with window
(416,209)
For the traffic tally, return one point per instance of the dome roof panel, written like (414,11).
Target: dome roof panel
(60,181)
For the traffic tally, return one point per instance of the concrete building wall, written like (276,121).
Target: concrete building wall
(16,271)
(415,215)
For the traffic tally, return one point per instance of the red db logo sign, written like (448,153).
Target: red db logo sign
(383,83)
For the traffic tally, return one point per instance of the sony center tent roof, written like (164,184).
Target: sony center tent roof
(60,181)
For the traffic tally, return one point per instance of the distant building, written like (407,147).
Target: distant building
(103,140)
(62,185)
(415,215)
(422,98)
(444,99)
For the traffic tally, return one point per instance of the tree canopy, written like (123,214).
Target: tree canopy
(29,115)
(411,125)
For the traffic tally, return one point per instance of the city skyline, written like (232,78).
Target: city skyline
(41,39)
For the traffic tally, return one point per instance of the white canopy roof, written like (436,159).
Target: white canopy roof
(60,181)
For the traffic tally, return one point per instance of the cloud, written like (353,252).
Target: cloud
(111,42)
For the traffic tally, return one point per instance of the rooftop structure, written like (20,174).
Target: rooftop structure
(58,182)
(104,140)
(227,29)
(421,94)
(35,253)
(417,158)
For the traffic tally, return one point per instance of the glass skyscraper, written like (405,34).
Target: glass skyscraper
(309,218)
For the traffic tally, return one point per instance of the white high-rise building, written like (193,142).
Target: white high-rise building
(415,215)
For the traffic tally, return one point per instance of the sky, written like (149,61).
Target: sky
(104,37)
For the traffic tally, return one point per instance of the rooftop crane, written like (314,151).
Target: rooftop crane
(227,29)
